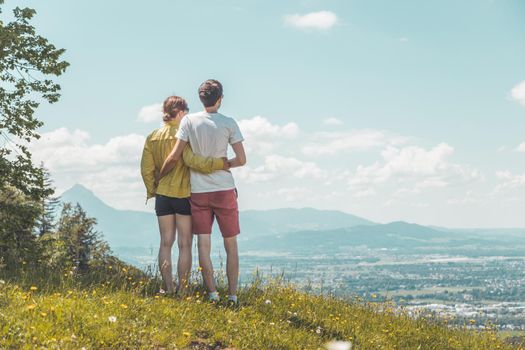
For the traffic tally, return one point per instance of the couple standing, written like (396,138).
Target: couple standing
(185,167)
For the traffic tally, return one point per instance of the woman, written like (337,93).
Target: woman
(172,192)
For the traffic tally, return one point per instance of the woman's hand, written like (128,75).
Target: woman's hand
(226,165)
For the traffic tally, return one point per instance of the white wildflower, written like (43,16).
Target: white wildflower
(112,319)
(267,301)
(338,345)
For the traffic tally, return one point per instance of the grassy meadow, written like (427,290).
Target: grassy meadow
(121,308)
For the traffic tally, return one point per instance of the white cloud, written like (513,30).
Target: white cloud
(263,137)
(111,169)
(432,182)
(369,192)
(63,150)
(417,160)
(295,194)
(518,93)
(331,143)
(151,113)
(403,39)
(509,181)
(281,168)
(281,162)
(469,198)
(413,165)
(333,121)
(62,137)
(521,148)
(322,20)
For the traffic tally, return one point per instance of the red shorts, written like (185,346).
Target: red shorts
(221,205)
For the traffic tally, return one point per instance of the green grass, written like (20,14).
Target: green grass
(272,316)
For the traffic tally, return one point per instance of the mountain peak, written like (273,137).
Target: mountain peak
(84,196)
(403,227)
(401,223)
(78,188)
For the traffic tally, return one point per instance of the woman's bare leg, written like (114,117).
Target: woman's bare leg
(184,241)
(167,229)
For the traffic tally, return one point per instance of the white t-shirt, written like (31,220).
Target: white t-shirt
(209,135)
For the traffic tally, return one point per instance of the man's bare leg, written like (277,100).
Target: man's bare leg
(184,242)
(167,228)
(232,264)
(204,245)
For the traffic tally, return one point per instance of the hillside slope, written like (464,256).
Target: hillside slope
(270,317)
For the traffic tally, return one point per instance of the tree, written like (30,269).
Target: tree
(49,206)
(18,216)
(27,64)
(82,241)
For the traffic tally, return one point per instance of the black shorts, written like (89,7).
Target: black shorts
(170,206)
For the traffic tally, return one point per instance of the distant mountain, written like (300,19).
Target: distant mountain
(288,220)
(128,228)
(391,236)
(120,227)
(133,235)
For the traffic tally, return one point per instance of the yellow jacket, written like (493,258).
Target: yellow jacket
(177,182)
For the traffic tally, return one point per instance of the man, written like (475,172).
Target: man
(212,195)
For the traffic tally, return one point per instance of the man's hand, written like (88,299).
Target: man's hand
(173,157)
(157,179)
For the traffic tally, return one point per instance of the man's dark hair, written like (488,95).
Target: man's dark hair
(210,92)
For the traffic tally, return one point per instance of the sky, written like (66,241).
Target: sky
(404,110)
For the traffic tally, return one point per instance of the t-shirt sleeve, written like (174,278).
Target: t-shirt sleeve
(183,132)
(235,133)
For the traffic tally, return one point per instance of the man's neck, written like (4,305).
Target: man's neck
(211,109)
